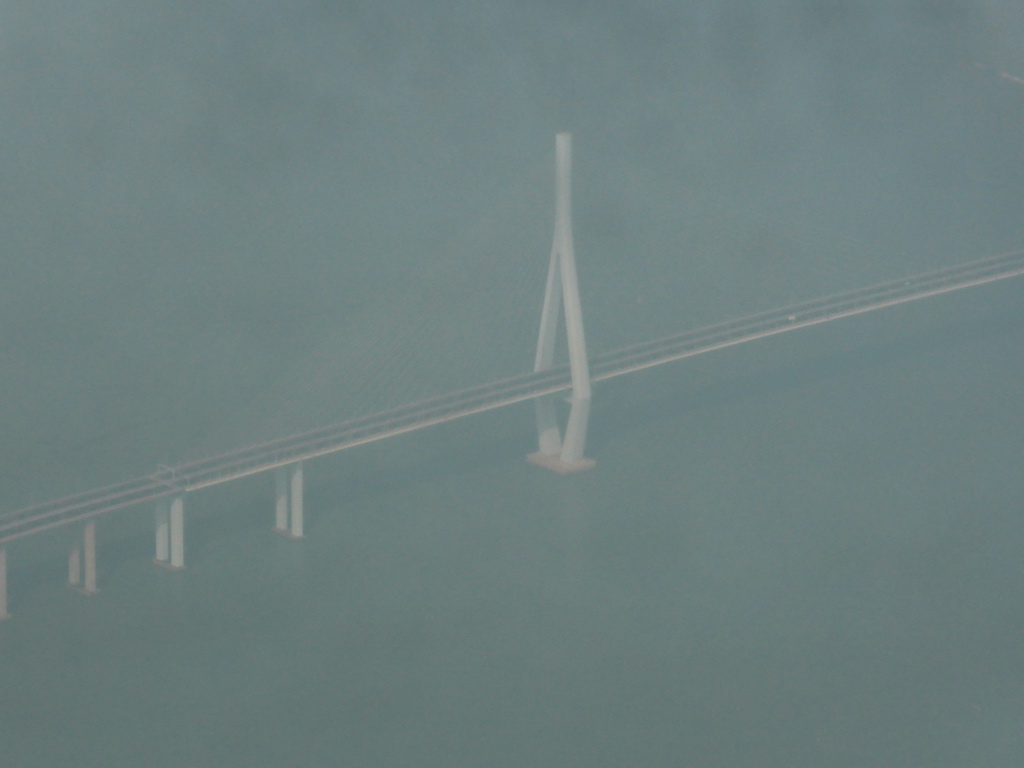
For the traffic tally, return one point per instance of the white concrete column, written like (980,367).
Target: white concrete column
(296,500)
(170,532)
(177,515)
(3,585)
(89,545)
(82,561)
(288,501)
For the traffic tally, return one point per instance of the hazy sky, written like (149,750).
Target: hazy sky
(226,220)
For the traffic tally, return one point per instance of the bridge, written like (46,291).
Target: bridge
(168,486)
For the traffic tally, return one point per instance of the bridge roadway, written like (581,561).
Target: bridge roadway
(168,481)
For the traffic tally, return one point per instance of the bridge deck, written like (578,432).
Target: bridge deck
(336,437)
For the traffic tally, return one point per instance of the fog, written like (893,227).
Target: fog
(228,222)
(200,202)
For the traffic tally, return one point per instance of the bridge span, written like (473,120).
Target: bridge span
(288,453)
(168,486)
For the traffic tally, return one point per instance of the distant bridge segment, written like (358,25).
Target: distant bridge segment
(175,481)
(813,312)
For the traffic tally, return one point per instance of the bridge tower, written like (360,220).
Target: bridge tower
(562,293)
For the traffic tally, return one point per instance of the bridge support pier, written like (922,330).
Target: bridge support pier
(170,532)
(288,501)
(82,561)
(3,585)
(556,454)
(562,293)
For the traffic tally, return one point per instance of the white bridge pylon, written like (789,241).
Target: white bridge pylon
(562,293)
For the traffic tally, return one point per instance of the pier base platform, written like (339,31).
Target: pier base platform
(555,463)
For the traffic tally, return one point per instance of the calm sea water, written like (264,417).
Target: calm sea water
(803,553)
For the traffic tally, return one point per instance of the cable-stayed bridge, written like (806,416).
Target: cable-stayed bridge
(168,486)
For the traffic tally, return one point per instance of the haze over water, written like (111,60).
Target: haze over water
(230,224)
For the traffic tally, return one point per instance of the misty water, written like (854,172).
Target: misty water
(231,222)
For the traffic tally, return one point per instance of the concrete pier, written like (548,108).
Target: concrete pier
(288,491)
(170,532)
(82,561)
